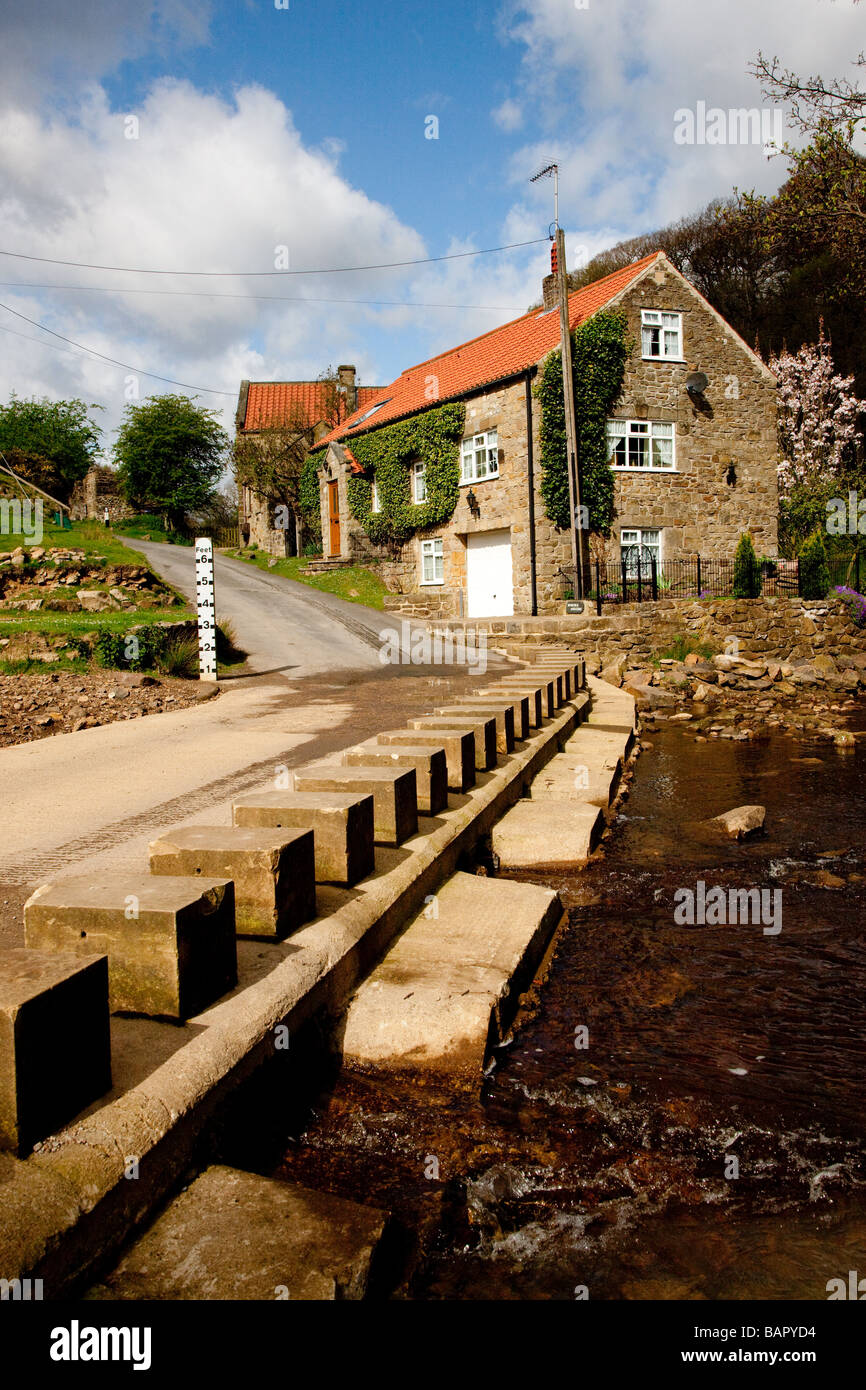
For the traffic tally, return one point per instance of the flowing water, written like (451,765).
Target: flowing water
(680,1113)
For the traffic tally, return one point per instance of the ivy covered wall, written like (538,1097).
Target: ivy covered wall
(600,349)
(432,438)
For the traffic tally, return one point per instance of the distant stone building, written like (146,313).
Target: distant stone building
(265,404)
(691,472)
(97,490)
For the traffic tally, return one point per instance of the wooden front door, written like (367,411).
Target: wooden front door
(334,518)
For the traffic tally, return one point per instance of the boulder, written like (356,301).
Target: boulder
(740,822)
(136,679)
(638,676)
(650,697)
(824,664)
(93,600)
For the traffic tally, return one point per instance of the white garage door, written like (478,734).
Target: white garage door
(489,585)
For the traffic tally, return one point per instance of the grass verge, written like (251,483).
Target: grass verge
(355,584)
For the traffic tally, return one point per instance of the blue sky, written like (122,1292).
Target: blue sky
(260,127)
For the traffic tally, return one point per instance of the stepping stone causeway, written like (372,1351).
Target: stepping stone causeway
(235,1236)
(170,942)
(457,744)
(393,789)
(273,871)
(55,1046)
(341,822)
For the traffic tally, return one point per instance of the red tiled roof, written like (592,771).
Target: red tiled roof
(273,402)
(494,356)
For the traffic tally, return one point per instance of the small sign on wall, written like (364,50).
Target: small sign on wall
(204,597)
(574,606)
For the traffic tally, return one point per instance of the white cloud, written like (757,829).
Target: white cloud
(208,185)
(508,116)
(49,43)
(605,81)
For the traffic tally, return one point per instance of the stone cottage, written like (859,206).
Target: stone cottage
(694,464)
(264,404)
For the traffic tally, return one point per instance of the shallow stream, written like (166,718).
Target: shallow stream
(707,1140)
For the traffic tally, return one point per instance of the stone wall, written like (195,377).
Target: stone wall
(698,511)
(96,491)
(779,628)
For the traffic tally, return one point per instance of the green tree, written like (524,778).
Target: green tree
(170,453)
(814,570)
(59,433)
(747,571)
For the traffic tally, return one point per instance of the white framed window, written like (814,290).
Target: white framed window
(419,482)
(432,563)
(479,457)
(641,545)
(661,335)
(375,499)
(641,444)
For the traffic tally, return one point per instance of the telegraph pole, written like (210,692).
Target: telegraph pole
(559,268)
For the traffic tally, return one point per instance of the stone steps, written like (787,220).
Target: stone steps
(447,991)
(366,893)
(236,1236)
(562,822)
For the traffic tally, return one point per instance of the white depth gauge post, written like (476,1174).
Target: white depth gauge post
(204,594)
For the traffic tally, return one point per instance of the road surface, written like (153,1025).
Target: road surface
(91,801)
(287,628)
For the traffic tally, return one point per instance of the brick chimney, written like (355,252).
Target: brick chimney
(549,290)
(348,389)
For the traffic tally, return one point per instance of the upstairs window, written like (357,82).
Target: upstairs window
(419,482)
(479,457)
(661,335)
(375,500)
(641,444)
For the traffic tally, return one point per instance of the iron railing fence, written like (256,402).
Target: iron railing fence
(642,578)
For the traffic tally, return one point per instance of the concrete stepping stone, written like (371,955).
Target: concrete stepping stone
(394,791)
(547,834)
(55,1046)
(600,738)
(341,822)
(483,731)
(536,701)
(569,778)
(502,713)
(458,746)
(519,705)
(170,942)
(528,684)
(562,673)
(431,769)
(235,1236)
(449,987)
(274,871)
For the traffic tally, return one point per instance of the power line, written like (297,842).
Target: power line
(82,347)
(278,298)
(246,274)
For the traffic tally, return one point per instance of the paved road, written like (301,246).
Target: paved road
(93,799)
(287,628)
(90,802)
